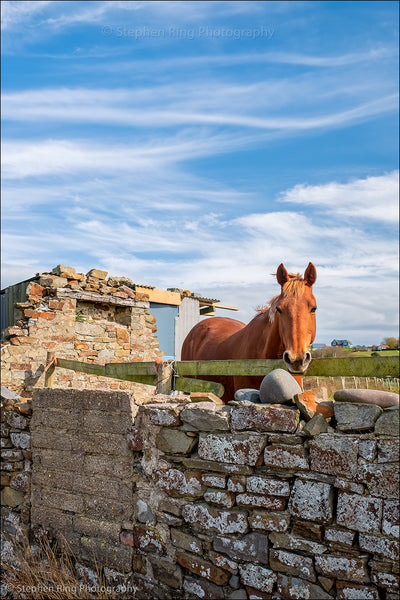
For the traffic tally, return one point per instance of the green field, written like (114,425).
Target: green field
(380,352)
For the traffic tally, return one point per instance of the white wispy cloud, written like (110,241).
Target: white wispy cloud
(15,13)
(374,198)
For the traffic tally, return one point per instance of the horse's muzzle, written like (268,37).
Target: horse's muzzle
(299,364)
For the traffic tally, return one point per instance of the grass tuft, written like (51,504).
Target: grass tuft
(45,571)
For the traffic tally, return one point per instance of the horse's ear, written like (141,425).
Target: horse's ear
(282,275)
(310,275)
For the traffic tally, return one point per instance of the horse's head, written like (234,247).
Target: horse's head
(294,310)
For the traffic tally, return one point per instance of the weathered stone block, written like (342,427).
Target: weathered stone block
(167,573)
(11,455)
(265,418)
(308,530)
(222,561)
(185,541)
(175,441)
(57,500)
(210,465)
(390,518)
(382,480)
(107,508)
(239,448)
(261,500)
(388,451)
(220,498)
(114,556)
(367,449)
(11,497)
(53,281)
(312,500)
(236,484)
(341,567)
(212,519)
(356,417)
(147,539)
(99,274)
(295,588)
(388,423)
(316,425)
(269,521)
(388,581)
(380,545)
(21,440)
(288,541)
(349,486)
(202,567)
(20,482)
(203,589)
(214,480)
(334,454)
(135,440)
(253,547)
(51,517)
(205,417)
(286,457)
(343,537)
(292,564)
(272,487)
(350,591)
(257,577)
(181,484)
(15,420)
(96,528)
(166,415)
(361,513)
(126,538)
(108,466)
(102,487)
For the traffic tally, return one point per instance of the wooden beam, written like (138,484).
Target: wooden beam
(208,310)
(228,367)
(185,384)
(49,372)
(165,372)
(136,372)
(382,366)
(353,366)
(161,296)
(226,306)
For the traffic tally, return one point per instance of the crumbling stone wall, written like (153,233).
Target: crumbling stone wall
(198,500)
(82,317)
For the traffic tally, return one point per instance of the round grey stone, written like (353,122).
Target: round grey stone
(278,387)
(378,397)
(249,394)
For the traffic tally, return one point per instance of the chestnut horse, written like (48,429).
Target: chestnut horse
(284,329)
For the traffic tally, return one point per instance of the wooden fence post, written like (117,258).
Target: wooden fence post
(165,371)
(49,370)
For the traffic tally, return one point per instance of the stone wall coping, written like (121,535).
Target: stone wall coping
(103,298)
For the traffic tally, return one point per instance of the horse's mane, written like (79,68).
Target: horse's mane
(294,287)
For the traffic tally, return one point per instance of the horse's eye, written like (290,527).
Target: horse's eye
(313,309)
(278,310)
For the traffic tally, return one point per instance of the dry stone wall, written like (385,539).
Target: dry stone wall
(198,500)
(82,317)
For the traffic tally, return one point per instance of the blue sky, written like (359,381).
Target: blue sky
(199,144)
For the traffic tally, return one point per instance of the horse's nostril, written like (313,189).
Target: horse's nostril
(308,356)
(286,358)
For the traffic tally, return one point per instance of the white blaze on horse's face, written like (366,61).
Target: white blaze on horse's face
(296,307)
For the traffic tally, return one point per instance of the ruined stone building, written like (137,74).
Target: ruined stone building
(94,319)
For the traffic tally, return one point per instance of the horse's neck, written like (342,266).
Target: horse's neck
(259,339)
